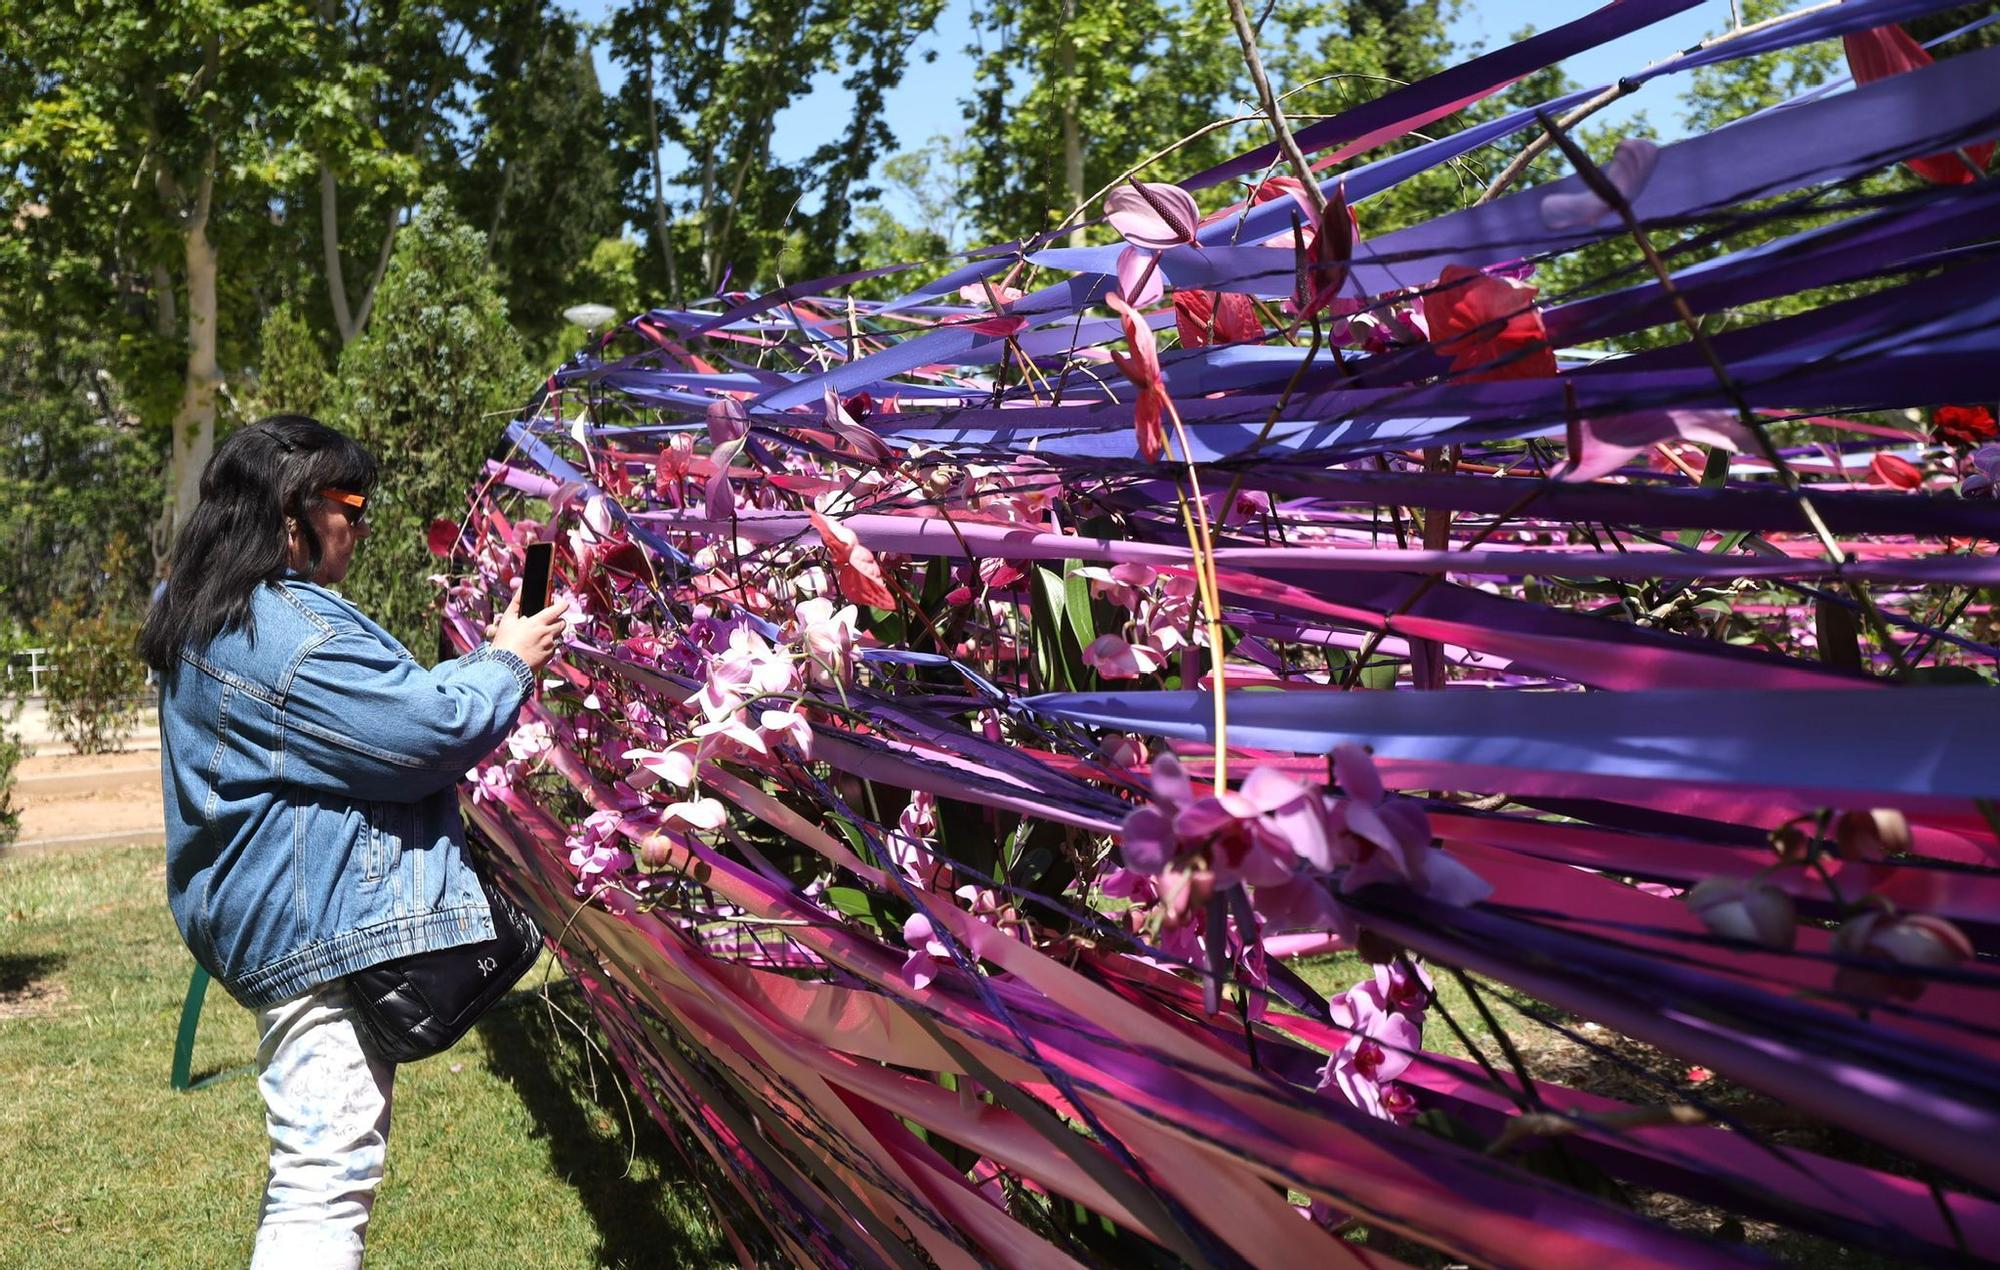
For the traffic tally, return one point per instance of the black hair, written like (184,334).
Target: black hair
(235,539)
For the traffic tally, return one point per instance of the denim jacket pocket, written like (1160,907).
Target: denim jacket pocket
(385,839)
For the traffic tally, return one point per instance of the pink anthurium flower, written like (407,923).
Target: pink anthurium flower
(1140,282)
(1603,445)
(1272,188)
(1153,215)
(1889,50)
(719,497)
(1631,165)
(727,421)
(1142,367)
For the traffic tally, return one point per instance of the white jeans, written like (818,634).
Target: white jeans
(326,1107)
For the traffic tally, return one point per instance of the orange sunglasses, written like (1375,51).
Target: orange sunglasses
(353,506)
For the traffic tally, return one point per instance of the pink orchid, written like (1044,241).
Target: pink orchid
(1140,282)
(1115,657)
(729,735)
(1153,215)
(696,813)
(1488,326)
(1631,165)
(828,637)
(1232,315)
(750,668)
(1746,909)
(1142,367)
(787,727)
(1389,839)
(1256,834)
(530,740)
(490,782)
(929,955)
(1881,934)
(672,765)
(1122,584)
(859,573)
(1380,1047)
(1603,445)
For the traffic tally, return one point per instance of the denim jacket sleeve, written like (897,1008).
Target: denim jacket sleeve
(363,720)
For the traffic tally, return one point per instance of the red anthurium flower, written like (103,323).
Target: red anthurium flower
(1323,264)
(1153,215)
(1889,50)
(1963,425)
(1142,367)
(856,568)
(1276,187)
(442,538)
(1887,469)
(1488,326)
(1233,316)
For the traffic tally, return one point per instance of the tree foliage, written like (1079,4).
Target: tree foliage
(426,387)
(705,83)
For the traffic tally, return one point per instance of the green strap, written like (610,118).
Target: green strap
(190,1017)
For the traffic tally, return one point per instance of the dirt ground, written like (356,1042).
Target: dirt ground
(79,800)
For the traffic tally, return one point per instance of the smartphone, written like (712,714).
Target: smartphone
(535,577)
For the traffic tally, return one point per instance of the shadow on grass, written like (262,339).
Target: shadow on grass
(20,971)
(645,1216)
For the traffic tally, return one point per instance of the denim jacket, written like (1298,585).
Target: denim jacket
(310,767)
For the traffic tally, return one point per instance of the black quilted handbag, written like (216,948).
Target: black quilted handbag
(417,1006)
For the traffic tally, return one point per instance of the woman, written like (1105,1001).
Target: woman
(312,821)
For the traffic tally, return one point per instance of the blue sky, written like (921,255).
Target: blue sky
(927,101)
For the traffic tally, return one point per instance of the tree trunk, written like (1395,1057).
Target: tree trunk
(1072,143)
(660,225)
(194,421)
(329,239)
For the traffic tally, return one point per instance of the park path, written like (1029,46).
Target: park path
(71,801)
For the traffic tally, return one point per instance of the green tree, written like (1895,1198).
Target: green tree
(78,478)
(1068,95)
(292,376)
(541,181)
(705,82)
(155,135)
(428,387)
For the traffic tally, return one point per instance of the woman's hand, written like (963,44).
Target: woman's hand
(533,638)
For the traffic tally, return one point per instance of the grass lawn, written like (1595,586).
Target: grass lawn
(502,1155)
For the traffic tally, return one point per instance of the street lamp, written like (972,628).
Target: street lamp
(589,316)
